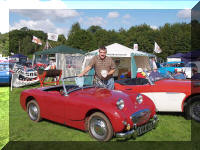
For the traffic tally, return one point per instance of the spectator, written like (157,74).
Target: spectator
(179,74)
(155,75)
(140,73)
(196,75)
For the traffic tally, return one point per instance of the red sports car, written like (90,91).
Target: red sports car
(169,95)
(84,103)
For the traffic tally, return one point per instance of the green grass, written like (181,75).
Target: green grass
(171,127)
(4,119)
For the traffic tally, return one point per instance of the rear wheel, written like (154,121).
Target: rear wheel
(33,111)
(100,127)
(194,108)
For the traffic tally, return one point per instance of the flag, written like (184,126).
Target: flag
(36,40)
(157,48)
(52,36)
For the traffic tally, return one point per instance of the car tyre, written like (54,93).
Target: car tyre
(33,111)
(194,108)
(99,127)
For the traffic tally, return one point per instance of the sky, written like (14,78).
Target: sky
(57,16)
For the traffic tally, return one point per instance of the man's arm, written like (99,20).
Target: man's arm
(111,72)
(85,71)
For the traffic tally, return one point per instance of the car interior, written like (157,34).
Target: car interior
(133,81)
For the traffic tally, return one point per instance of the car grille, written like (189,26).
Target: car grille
(141,116)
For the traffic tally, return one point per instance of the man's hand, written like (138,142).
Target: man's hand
(85,71)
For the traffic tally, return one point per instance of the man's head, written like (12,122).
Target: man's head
(102,52)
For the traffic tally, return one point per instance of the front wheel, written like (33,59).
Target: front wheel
(100,127)
(194,108)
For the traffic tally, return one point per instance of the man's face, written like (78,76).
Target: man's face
(102,53)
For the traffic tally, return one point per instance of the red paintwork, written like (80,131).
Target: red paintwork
(165,85)
(71,110)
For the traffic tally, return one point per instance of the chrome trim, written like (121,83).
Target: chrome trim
(133,133)
(142,115)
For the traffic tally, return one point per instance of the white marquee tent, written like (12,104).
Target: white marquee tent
(130,59)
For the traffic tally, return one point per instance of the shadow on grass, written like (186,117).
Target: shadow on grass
(178,114)
(63,125)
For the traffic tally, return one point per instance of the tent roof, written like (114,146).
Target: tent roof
(178,55)
(60,49)
(192,55)
(18,56)
(118,50)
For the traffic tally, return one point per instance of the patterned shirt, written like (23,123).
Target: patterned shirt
(102,64)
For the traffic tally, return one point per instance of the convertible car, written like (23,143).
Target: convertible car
(84,103)
(169,95)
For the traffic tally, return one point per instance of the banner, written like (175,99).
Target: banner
(53,36)
(135,47)
(36,40)
(157,48)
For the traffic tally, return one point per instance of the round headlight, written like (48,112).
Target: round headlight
(120,104)
(139,98)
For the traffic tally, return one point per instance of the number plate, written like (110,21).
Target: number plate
(145,128)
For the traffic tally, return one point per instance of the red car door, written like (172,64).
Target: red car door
(54,106)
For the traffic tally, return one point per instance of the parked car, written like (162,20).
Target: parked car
(89,106)
(169,95)
(5,75)
(170,67)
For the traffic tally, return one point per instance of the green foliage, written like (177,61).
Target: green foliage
(172,38)
(4,44)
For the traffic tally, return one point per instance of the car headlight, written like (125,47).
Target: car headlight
(139,98)
(120,104)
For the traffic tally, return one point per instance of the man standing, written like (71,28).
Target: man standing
(104,68)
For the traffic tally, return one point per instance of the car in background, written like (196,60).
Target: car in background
(85,103)
(5,75)
(170,67)
(169,95)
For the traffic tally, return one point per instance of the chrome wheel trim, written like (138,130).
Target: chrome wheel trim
(33,111)
(98,128)
(195,110)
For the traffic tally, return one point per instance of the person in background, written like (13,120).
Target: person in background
(154,75)
(196,75)
(116,73)
(179,74)
(140,73)
(104,68)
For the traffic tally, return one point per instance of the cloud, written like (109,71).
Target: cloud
(5,5)
(127,16)
(113,14)
(185,13)
(43,25)
(53,14)
(153,27)
(89,21)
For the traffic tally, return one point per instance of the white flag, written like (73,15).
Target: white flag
(36,40)
(135,47)
(53,36)
(157,48)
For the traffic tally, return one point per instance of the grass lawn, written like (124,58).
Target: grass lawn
(172,127)
(4,119)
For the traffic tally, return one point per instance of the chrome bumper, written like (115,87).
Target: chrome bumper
(134,133)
